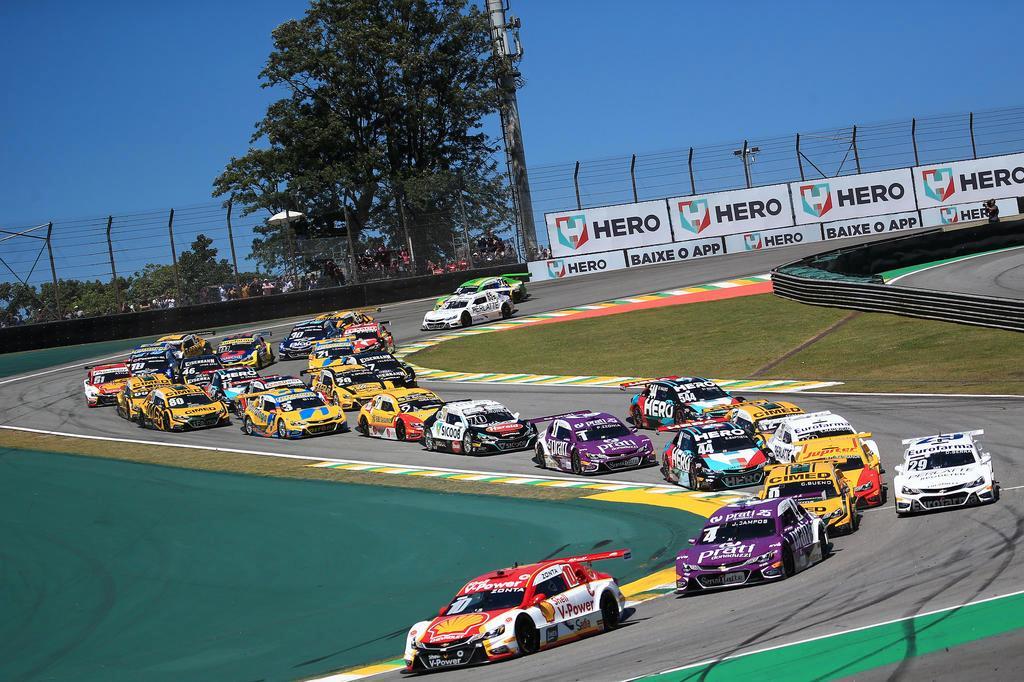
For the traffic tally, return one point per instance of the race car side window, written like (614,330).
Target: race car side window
(552,586)
(786,437)
(788,518)
(268,404)
(453,419)
(479,300)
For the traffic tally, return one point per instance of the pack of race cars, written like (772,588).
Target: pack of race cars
(808,473)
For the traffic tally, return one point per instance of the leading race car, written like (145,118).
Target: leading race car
(346,317)
(197,370)
(296,345)
(467,309)
(470,426)
(749,542)
(820,488)
(134,393)
(513,286)
(180,407)
(386,366)
(947,470)
(398,414)
(518,611)
(348,386)
(104,382)
(370,336)
(248,349)
(674,400)
(291,413)
(188,344)
(710,455)
(586,442)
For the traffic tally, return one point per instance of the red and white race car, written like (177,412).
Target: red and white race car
(370,336)
(518,611)
(104,382)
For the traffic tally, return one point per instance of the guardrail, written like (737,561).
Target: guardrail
(822,280)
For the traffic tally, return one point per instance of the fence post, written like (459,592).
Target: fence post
(746,166)
(465,224)
(53,271)
(856,154)
(231,241)
(913,137)
(799,158)
(970,124)
(113,268)
(352,259)
(632,176)
(576,182)
(689,163)
(174,259)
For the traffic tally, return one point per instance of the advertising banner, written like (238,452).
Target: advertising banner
(771,239)
(862,227)
(611,227)
(570,266)
(967,181)
(852,196)
(721,213)
(675,253)
(965,213)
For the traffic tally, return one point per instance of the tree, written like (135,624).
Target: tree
(382,128)
(198,267)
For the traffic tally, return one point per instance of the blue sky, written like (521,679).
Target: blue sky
(120,107)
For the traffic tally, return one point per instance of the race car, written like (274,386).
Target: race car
(346,317)
(147,348)
(197,370)
(348,386)
(827,436)
(398,414)
(820,488)
(103,383)
(291,413)
(249,349)
(227,384)
(180,407)
(134,393)
(947,470)
(154,361)
(464,310)
(513,286)
(760,418)
(674,400)
(329,353)
(188,344)
(518,611)
(469,426)
(296,345)
(749,542)
(261,385)
(710,455)
(586,442)
(370,336)
(386,366)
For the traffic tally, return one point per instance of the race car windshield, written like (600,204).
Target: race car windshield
(454,305)
(189,400)
(734,531)
(827,432)
(942,460)
(418,404)
(110,375)
(690,393)
(728,443)
(310,333)
(821,489)
(361,377)
(363,334)
(493,417)
(338,352)
(465,290)
(239,382)
(149,365)
(301,403)
(507,598)
(603,432)
(848,463)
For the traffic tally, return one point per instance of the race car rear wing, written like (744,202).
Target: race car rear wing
(205,332)
(696,422)
(599,556)
(976,432)
(577,413)
(518,276)
(644,382)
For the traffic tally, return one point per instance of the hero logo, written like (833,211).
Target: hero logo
(572,230)
(558,268)
(658,408)
(938,183)
(695,215)
(816,199)
(949,215)
(754,241)
(571,610)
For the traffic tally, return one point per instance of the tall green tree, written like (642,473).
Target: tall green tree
(382,124)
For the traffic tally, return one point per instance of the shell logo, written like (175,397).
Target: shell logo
(455,624)
(547,610)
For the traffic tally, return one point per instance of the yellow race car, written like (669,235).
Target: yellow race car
(181,407)
(291,413)
(398,414)
(348,386)
(329,353)
(819,488)
(347,317)
(851,455)
(188,344)
(246,349)
(134,393)
(760,418)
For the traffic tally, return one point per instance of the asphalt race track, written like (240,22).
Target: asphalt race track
(999,274)
(889,569)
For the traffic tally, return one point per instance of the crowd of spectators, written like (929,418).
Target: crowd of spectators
(382,263)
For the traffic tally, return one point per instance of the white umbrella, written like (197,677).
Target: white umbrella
(284,217)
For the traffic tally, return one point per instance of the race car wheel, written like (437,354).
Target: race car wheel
(527,636)
(694,485)
(166,423)
(466,320)
(467,444)
(826,546)
(400,430)
(538,455)
(577,466)
(855,522)
(363,427)
(788,565)
(995,492)
(506,311)
(247,426)
(120,412)
(282,430)
(609,611)
(428,441)
(638,420)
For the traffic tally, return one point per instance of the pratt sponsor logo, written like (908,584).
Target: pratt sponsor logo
(570,610)
(727,550)
(755,241)
(673,254)
(695,215)
(572,230)
(863,229)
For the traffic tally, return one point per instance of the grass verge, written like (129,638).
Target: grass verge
(732,339)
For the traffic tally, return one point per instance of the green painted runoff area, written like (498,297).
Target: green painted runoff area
(32,360)
(847,654)
(116,570)
(890,275)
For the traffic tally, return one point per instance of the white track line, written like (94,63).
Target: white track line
(958,260)
(713,661)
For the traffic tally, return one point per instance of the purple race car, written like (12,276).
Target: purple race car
(749,542)
(587,442)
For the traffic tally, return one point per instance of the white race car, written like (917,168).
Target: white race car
(948,470)
(464,310)
(468,426)
(792,431)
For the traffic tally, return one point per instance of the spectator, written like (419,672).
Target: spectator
(993,210)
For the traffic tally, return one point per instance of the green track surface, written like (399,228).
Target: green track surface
(847,654)
(890,275)
(114,570)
